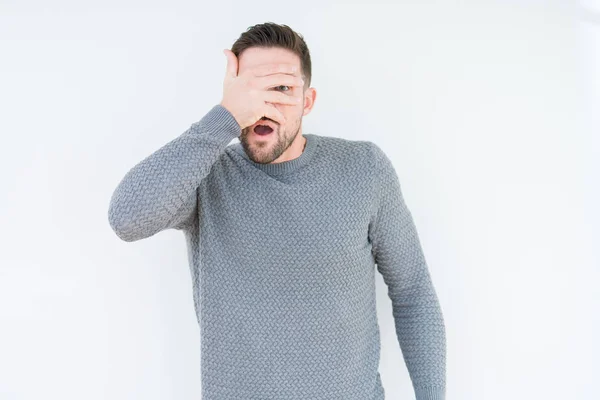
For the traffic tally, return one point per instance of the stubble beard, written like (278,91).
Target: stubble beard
(259,154)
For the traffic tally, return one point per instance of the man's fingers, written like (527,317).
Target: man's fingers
(266,82)
(232,63)
(274,114)
(275,68)
(272,96)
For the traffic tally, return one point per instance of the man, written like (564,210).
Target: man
(284,231)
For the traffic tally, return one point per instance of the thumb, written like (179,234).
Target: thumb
(232,65)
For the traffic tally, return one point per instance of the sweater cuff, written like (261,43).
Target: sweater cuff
(218,123)
(430,393)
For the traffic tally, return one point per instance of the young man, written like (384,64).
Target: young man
(284,231)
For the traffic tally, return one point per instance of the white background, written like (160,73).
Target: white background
(485,107)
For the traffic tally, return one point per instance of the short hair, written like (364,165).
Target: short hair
(270,34)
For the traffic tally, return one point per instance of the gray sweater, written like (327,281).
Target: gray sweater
(282,259)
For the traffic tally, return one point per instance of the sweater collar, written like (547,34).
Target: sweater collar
(285,167)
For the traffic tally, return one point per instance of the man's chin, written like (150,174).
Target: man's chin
(260,160)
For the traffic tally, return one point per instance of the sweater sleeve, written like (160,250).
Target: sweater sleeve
(399,257)
(160,192)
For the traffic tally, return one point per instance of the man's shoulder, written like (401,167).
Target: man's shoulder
(346,146)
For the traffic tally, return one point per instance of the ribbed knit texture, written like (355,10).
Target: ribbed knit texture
(283,259)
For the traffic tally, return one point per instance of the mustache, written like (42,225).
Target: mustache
(268,119)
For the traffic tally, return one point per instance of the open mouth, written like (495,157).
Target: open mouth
(263,128)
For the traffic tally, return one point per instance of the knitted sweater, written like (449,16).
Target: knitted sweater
(282,258)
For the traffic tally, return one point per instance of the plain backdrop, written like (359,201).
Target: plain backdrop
(488,110)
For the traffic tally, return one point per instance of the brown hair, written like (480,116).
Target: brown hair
(270,34)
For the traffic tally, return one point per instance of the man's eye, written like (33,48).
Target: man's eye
(282,86)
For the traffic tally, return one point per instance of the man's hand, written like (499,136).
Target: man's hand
(247,97)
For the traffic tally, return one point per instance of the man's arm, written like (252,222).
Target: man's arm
(160,192)
(399,257)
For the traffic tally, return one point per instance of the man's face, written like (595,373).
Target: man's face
(265,149)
